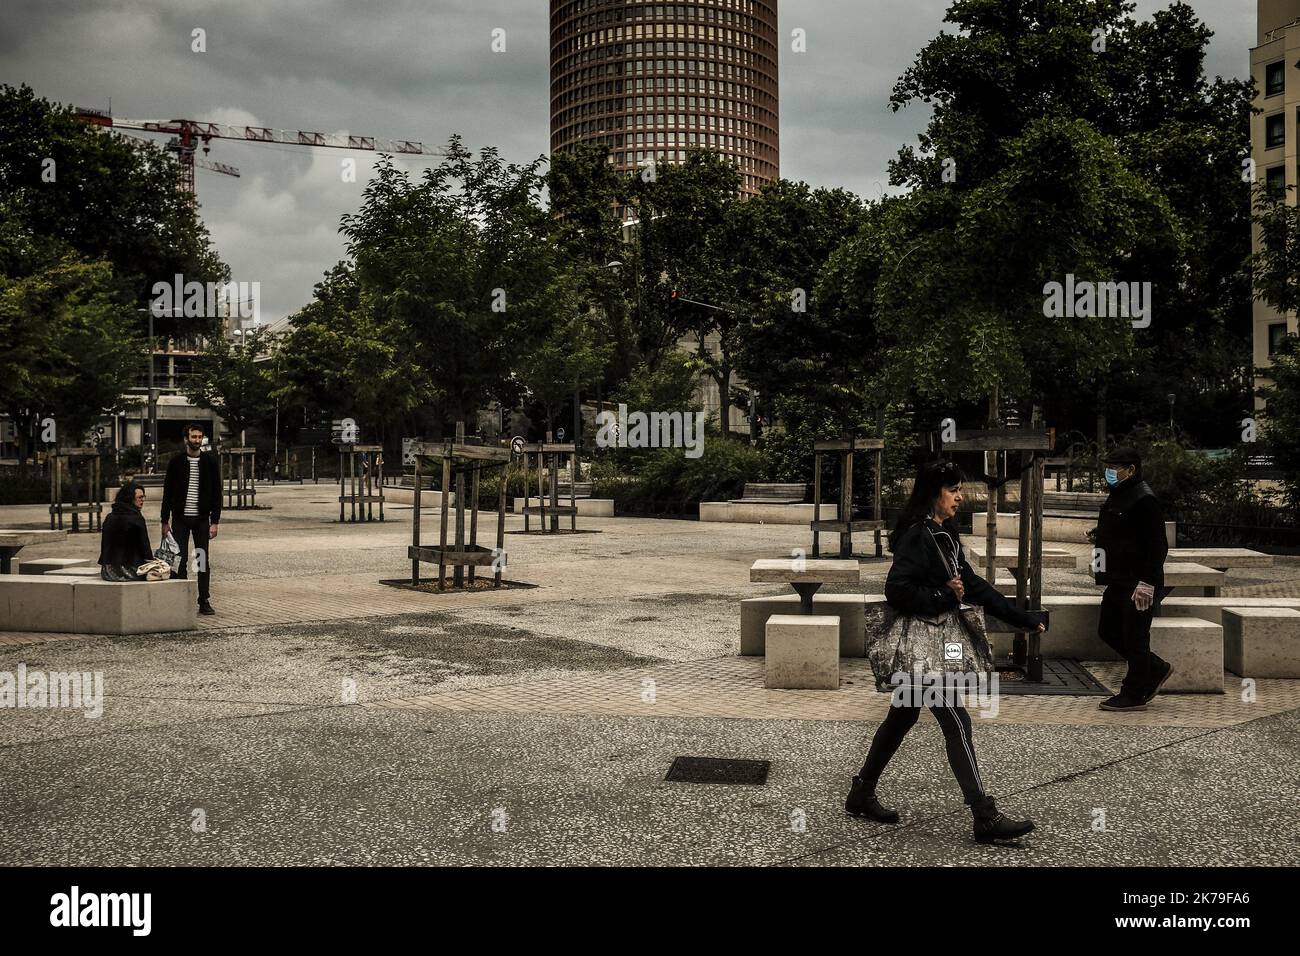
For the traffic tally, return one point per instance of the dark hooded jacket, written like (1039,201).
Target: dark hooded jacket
(1130,535)
(918,578)
(123,543)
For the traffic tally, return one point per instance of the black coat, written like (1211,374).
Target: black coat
(918,578)
(177,482)
(1130,533)
(124,539)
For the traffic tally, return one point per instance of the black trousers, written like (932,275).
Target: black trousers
(954,721)
(1128,631)
(183,528)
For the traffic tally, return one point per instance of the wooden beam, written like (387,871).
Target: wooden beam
(1001,439)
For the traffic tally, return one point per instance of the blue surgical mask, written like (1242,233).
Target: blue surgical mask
(1112,477)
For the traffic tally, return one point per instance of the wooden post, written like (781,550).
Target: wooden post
(379,463)
(458,569)
(846,500)
(553,472)
(817,500)
(342,478)
(573,489)
(442,530)
(415,526)
(53,462)
(501,522)
(879,511)
(991,498)
(473,517)
(1022,551)
(1034,669)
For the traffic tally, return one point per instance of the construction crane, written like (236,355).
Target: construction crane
(190,135)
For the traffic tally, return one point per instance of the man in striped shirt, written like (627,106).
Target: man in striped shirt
(191,507)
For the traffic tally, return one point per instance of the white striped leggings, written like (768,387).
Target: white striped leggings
(956,726)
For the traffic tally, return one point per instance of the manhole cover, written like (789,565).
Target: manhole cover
(1061,676)
(718,770)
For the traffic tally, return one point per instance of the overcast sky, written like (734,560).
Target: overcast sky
(424,69)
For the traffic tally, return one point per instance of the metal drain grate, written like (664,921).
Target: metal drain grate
(1061,676)
(717,770)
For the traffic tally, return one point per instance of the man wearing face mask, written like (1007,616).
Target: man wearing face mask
(1130,559)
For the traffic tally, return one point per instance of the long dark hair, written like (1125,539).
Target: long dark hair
(932,478)
(126,494)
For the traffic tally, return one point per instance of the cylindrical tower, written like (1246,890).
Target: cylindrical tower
(651,80)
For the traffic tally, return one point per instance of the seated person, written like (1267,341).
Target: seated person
(124,542)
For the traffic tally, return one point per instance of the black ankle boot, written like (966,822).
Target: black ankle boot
(991,825)
(862,802)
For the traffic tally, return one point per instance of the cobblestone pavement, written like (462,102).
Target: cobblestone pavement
(322,716)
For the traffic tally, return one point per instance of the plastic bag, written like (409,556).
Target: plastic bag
(155,570)
(169,552)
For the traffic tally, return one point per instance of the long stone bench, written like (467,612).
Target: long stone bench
(86,605)
(1073,631)
(587,507)
(772,493)
(1057,526)
(753,512)
(1186,578)
(45,565)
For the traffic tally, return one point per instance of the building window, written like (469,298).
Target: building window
(1275,131)
(1275,181)
(1276,332)
(1275,78)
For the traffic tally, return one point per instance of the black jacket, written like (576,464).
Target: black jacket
(1130,533)
(917,582)
(177,482)
(124,539)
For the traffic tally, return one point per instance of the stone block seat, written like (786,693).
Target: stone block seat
(45,565)
(767,503)
(81,604)
(802,652)
(1262,641)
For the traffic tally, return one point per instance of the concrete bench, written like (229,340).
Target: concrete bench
(1073,632)
(85,605)
(587,507)
(802,652)
(45,565)
(772,493)
(85,571)
(1262,641)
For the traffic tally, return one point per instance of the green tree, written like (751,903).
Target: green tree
(235,379)
(70,349)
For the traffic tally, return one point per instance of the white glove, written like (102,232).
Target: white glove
(1143,596)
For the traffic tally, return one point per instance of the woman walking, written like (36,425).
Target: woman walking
(930,577)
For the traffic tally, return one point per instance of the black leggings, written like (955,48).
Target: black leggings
(956,726)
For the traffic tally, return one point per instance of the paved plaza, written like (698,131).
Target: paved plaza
(324,717)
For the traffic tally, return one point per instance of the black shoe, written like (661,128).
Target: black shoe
(862,803)
(991,825)
(205,608)
(1122,702)
(1160,682)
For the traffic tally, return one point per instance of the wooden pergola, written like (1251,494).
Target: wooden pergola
(458,458)
(1033,445)
(845,524)
(361,474)
(82,464)
(548,464)
(239,471)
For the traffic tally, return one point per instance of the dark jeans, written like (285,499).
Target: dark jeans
(956,727)
(1128,631)
(182,529)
